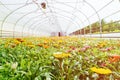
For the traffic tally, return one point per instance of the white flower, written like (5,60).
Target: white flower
(14,65)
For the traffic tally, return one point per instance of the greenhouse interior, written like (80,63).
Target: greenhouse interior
(59,39)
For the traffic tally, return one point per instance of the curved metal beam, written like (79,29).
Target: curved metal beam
(59,14)
(40,15)
(32,24)
(21,19)
(96,14)
(10,14)
(26,4)
(80,12)
(36,28)
(61,10)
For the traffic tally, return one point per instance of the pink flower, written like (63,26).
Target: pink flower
(69,51)
(83,49)
(87,47)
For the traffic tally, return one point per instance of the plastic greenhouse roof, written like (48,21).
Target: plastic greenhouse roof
(29,16)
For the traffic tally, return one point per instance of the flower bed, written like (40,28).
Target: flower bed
(59,58)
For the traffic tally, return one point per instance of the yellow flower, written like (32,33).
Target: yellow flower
(60,55)
(60,41)
(31,46)
(6,45)
(101,70)
(56,45)
(17,42)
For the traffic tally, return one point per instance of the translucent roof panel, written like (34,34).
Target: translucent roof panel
(42,17)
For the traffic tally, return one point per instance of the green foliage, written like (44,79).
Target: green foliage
(38,63)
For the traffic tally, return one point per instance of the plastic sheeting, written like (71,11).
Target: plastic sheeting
(43,17)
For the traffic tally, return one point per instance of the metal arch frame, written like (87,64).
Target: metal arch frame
(13,12)
(80,12)
(101,8)
(56,20)
(24,6)
(96,14)
(40,23)
(47,31)
(43,20)
(47,17)
(59,16)
(24,26)
(20,19)
(36,28)
(66,12)
(10,14)
(43,14)
(32,24)
(88,18)
(5,6)
(39,6)
(77,1)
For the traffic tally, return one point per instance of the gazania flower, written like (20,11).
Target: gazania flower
(101,44)
(101,70)
(31,46)
(83,49)
(87,47)
(20,40)
(69,51)
(73,47)
(106,49)
(60,55)
(60,41)
(114,58)
(40,45)
(56,45)
(45,46)
(17,42)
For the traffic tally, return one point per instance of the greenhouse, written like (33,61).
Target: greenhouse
(59,39)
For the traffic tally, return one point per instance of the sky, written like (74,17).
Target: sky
(59,15)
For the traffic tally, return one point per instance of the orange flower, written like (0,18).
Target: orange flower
(40,45)
(20,40)
(45,46)
(114,58)
(45,42)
